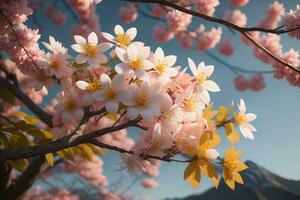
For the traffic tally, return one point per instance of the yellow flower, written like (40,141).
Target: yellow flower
(232,166)
(206,152)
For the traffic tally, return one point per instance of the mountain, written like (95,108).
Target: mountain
(260,184)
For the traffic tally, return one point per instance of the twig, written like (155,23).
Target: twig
(45,117)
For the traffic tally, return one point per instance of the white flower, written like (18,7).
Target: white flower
(135,59)
(201,74)
(111,92)
(122,38)
(170,118)
(90,85)
(144,100)
(90,50)
(163,66)
(192,103)
(242,119)
(56,62)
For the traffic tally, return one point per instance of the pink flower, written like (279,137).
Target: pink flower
(162,34)
(292,21)
(239,3)
(226,47)
(185,39)
(257,82)
(270,42)
(236,17)
(275,13)
(149,183)
(128,14)
(55,15)
(210,39)
(178,21)
(206,7)
(158,11)
(122,38)
(241,83)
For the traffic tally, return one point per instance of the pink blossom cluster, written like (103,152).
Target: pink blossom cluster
(226,47)
(91,171)
(206,7)
(292,21)
(275,12)
(162,34)
(56,194)
(55,15)
(236,17)
(89,19)
(239,3)
(128,14)
(178,21)
(255,83)
(10,41)
(209,39)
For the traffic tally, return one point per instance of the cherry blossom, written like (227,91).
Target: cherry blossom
(90,50)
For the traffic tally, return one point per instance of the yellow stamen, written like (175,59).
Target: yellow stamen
(123,39)
(190,103)
(240,119)
(135,63)
(54,64)
(142,100)
(69,105)
(161,67)
(94,85)
(90,50)
(110,94)
(201,78)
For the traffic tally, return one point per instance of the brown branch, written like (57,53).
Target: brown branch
(214,19)
(45,117)
(243,30)
(59,144)
(144,156)
(267,51)
(24,181)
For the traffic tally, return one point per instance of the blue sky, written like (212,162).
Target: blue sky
(276,145)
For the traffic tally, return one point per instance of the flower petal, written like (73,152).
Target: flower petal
(132,32)
(79,39)
(132,112)
(118,82)
(105,81)
(82,85)
(118,29)
(80,59)
(193,67)
(112,106)
(211,86)
(93,38)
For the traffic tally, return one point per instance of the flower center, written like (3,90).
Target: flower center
(90,50)
(230,165)
(190,103)
(142,100)
(161,67)
(94,86)
(135,63)
(69,105)
(201,78)
(54,64)
(240,119)
(110,94)
(123,39)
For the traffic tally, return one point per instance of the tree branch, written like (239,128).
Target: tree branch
(144,156)
(45,117)
(59,144)
(243,30)
(24,181)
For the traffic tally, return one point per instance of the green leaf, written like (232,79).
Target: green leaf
(33,130)
(20,165)
(6,95)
